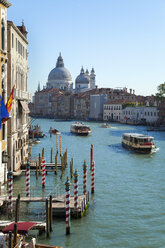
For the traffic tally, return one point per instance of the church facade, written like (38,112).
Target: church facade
(60,78)
(84,81)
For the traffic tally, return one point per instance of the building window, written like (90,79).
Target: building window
(12,40)
(2,35)
(3,131)
(16,44)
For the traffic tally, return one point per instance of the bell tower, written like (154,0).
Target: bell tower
(92,79)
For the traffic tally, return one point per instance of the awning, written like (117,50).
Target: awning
(22,227)
(25,106)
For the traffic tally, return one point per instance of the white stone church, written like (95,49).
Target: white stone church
(60,78)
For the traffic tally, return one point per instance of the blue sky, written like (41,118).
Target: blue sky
(124,40)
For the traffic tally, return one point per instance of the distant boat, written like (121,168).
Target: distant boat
(35,132)
(53,130)
(138,142)
(36,141)
(80,129)
(106,125)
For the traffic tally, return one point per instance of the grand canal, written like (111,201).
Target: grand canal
(128,207)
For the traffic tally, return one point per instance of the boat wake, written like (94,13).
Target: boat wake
(155,150)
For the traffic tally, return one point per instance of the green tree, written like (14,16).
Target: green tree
(161,92)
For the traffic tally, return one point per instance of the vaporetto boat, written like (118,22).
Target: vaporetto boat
(138,142)
(80,129)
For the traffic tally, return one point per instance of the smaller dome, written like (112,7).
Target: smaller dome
(82,78)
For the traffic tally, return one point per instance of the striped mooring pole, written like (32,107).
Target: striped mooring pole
(91,156)
(76,189)
(43,172)
(28,179)
(67,188)
(56,142)
(10,183)
(93,178)
(60,144)
(84,178)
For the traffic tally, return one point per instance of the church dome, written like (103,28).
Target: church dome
(82,78)
(59,72)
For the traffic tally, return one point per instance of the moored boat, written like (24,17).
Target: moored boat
(53,130)
(35,132)
(36,141)
(80,129)
(138,142)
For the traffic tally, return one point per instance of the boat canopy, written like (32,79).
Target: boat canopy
(22,227)
(138,136)
(79,124)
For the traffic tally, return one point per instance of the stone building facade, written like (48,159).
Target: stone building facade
(61,105)
(43,102)
(4,4)
(17,76)
(96,106)
(82,106)
(113,111)
(140,115)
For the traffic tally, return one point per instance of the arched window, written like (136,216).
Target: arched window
(2,35)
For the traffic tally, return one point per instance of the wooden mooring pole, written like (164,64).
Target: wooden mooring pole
(76,189)
(47,218)
(28,179)
(36,169)
(62,166)
(43,172)
(10,183)
(91,156)
(93,178)
(84,178)
(51,158)
(50,214)
(10,240)
(15,235)
(60,145)
(17,209)
(67,188)
(39,163)
(71,168)
(56,163)
(56,142)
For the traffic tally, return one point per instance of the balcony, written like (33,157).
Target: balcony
(22,95)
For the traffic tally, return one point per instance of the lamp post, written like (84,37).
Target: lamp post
(5,160)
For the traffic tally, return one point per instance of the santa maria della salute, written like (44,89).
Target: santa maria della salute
(60,78)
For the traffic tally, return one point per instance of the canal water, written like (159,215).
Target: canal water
(128,207)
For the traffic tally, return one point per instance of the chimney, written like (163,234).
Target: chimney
(130,91)
(133,92)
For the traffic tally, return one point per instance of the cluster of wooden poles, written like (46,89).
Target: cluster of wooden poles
(67,183)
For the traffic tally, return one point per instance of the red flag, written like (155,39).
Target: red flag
(9,104)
